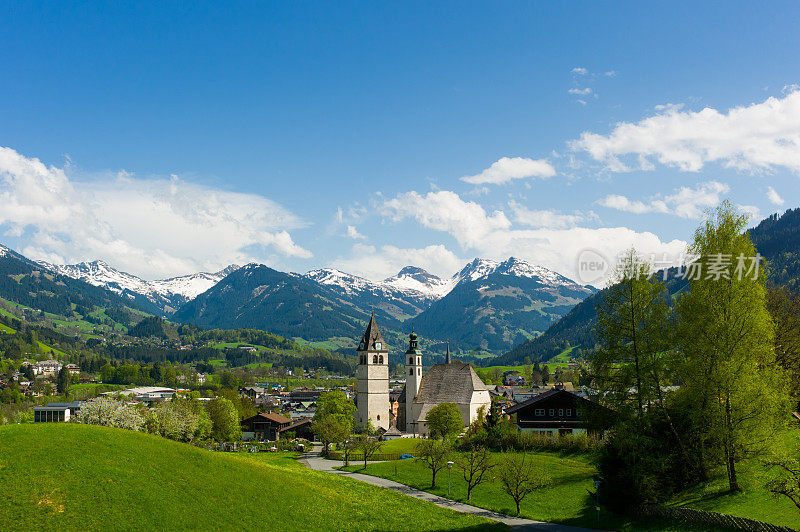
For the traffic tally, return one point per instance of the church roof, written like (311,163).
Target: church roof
(449,383)
(372,336)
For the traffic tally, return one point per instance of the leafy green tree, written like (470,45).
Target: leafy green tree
(444,420)
(368,444)
(737,394)
(108,373)
(336,404)
(330,429)
(784,307)
(62,381)
(224,420)
(633,328)
(519,478)
(434,455)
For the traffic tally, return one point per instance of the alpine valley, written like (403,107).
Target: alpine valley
(484,309)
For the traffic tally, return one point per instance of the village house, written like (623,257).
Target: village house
(264,426)
(558,412)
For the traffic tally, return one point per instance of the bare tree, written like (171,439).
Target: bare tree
(519,478)
(434,455)
(369,445)
(788,483)
(475,464)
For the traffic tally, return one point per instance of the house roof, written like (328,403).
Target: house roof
(372,336)
(449,383)
(546,395)
(275,418)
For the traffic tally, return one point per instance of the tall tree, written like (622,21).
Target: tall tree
(784,306)
(62,383)
(633,328)
(735,390)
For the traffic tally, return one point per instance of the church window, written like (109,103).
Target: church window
(380,359)
(419,371)
(374,359)
(410,361)
(411,372)
(379,417)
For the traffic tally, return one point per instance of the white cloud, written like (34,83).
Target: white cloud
(493,237)
(774,197)
(153,228)
(685,202)
(508,168)
(752,211)
(367,261)
(610,73)
(353,233)
(580,71)
(581,92)
(755,138)
(544,218)
(445,211)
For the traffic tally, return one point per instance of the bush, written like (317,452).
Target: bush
(506,437)
(112,413)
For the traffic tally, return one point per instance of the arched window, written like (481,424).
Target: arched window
(379,417)
(419,371)
(380,359)
(411,372)
(374,359)
(410,361)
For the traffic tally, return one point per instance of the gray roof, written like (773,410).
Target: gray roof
(372,336)
(449,383)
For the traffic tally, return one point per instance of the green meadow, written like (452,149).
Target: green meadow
(78,477)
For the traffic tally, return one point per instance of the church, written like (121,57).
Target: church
(451,382)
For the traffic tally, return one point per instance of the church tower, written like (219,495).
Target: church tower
(413,379)
(372,379)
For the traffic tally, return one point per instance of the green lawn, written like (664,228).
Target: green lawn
(6,329)
(77,477)
(567,501)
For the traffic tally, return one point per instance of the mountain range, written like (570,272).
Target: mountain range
(166,294)
(487,306)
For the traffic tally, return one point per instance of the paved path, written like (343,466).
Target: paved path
(313,460)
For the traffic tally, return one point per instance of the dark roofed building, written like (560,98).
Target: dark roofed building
(265,426)
(557,412)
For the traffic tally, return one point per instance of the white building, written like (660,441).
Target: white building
(451,382)
(372,379)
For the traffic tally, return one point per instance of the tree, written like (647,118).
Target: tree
(444,420)
(787,483)
(632,325)
(784,307)
(224,420)
(108,373)
(434,455)
(62,381)
(330,429)
(369,444)
(333,420)
(736,392)
(519,478)
(475,464)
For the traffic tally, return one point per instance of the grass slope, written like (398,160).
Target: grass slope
(567,500)
(79,477)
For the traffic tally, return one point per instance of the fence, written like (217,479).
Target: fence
(355,457)
(690,515)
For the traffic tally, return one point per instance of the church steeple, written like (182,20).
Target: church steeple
(372,339)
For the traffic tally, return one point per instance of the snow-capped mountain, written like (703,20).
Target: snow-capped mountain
(414,279)
(480,268)
(166,294)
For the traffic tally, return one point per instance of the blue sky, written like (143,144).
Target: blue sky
(166,139)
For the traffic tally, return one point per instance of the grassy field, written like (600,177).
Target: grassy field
(76,477)
(6,329)
(567,500)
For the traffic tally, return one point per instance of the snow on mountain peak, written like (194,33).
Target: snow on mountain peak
(413,278)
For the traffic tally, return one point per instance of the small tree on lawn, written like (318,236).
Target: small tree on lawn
(519,478)
(434,455)
(369,444)
(331,429)
(444,420)
(787,483)
(475,464)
